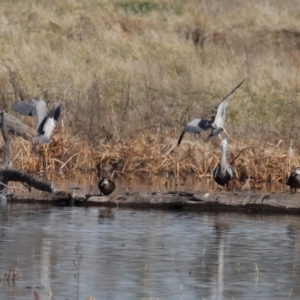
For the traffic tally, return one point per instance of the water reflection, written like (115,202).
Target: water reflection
(149,254)
(88,185)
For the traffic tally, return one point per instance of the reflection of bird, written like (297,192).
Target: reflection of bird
(106,186)
(222,173)
(44,123)
(216,123)
(294,180)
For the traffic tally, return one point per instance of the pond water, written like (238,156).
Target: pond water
(148,254)
(88,184)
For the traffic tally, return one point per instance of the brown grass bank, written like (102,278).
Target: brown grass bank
(149,155)
(131,73)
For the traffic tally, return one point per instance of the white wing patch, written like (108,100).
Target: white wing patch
(49,127)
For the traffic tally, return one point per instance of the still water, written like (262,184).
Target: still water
(148,254)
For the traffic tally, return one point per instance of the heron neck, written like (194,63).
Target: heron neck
(224,114)
(223,162)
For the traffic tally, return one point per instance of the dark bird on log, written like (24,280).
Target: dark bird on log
(294,180)
(106,186)
(216,123)
(44,123)
(222,173)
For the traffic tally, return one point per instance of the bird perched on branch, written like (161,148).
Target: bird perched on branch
(216,123)
(44,123)
(294,180)
(222,173)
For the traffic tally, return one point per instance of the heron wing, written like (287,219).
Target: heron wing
(34,107)
(214,132)
(55,112)
(292,178)
(196,126)
(221,112)
(48,127)
(216,170)
(229,171)
(48,124)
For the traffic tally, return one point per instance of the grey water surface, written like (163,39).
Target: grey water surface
(148,254)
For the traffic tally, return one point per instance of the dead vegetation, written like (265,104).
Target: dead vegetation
(149,155)
(131,73)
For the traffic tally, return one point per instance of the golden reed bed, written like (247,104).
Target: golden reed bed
(149,155)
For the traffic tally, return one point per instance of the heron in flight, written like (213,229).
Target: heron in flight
(222,173)
(294,180)
(216,123)
(44,123)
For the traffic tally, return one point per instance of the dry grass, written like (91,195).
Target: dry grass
(149,155)
(131,73)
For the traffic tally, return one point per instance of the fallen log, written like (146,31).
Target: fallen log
(281,202)
(217,201)
(35,197)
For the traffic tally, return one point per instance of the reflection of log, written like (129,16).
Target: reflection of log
(10,174)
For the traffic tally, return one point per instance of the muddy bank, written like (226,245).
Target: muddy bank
(217,201)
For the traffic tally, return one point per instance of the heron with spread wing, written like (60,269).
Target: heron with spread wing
(216,123)
(44,123)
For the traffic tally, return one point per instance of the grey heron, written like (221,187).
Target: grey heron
(216,123)
(294,180)
(222,173)
(106,186)
(44,123)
